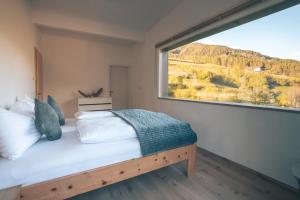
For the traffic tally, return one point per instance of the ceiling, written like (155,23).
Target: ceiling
(138,15)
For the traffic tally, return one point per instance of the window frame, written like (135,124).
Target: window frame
(242,14)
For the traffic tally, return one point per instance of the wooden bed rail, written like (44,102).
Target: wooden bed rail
(72,185)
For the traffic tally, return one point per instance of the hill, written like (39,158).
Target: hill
(229,57)
(219,73)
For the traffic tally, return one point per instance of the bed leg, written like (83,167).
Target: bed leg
(191,161)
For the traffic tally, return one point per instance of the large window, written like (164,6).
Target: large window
(257,63)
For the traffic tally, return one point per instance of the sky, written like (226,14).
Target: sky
(276,35)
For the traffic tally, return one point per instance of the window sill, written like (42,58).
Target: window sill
(243,105)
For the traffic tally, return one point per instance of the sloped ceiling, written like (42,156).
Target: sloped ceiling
(135,16)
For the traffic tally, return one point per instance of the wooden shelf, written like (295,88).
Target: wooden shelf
(94,104)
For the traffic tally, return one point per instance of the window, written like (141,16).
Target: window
(256,64)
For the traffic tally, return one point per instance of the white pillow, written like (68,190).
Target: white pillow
(93,114)
(17,134)
(29,99)
(24,107)
(104,129)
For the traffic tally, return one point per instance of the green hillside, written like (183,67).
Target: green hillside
(219,73)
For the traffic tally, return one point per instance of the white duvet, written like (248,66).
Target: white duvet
(102,126)
(94,114)
(47,160)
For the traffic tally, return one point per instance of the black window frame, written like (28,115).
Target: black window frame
(188,36)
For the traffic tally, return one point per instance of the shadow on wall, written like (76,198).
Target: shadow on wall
(69,107)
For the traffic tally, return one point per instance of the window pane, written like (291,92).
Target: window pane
(256,63)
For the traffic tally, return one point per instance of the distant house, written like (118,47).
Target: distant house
(259,69)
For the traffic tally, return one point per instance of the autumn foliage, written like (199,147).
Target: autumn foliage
(218,73)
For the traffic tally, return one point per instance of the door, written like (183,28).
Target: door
(119,86)
(38,74)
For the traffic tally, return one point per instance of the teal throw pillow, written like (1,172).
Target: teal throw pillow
(46,121)
(54,105)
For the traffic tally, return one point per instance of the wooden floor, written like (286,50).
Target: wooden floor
(215,178)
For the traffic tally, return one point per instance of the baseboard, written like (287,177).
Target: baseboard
(263,176)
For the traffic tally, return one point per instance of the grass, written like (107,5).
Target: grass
(232,84)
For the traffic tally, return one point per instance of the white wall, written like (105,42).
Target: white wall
(18,36)
(75,61)
(263,140)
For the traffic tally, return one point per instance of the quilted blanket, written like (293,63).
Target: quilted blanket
(157,131)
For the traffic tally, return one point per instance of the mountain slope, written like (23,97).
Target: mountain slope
(229,57)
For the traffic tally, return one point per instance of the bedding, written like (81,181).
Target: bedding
(104,129)
(94,114)
(24,106)
(157,131)
(146,133)
(48,160)
(17,134)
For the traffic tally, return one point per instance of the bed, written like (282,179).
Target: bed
(72,168)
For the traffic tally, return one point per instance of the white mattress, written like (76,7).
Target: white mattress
(47,160)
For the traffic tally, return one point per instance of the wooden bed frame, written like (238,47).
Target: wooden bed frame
(72,185)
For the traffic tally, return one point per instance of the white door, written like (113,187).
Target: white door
(119,86)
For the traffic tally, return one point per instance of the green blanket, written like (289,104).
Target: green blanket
(157,131)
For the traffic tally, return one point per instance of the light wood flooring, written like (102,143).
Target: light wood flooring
(216,178)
